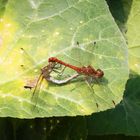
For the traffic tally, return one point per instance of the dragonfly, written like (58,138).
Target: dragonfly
(88,71)
(91,74)
(84,70)
(53,62)
(46,74)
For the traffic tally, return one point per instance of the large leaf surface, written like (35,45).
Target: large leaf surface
(52,28)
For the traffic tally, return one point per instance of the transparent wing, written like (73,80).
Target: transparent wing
(36,91)
(28,61)
(30,67)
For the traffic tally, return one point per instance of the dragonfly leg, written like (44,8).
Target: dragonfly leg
(58,66)
(93,81)
(90,81)
(61,72)
(57,71)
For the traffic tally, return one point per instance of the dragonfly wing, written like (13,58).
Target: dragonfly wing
(88,81)
(28,61)
(36,91)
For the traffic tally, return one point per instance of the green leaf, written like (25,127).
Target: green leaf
(127,15)
(133,35)
(124,119)
(120,10)
(48,28)
(2,6)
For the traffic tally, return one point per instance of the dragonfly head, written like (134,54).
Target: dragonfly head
(52,59)
(99,73)
(48,69)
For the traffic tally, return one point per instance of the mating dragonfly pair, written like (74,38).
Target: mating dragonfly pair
(53,62)
(53,66)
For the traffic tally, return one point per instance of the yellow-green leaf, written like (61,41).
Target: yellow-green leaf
(46,28)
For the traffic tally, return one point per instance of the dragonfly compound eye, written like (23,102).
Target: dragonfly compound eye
(52,59)
(99,73)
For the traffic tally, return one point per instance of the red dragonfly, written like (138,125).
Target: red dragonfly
(88,71)
(85,70)
(46,71)
(46,74)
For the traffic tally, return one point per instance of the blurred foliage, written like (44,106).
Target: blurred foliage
(2,6)
(124,118)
